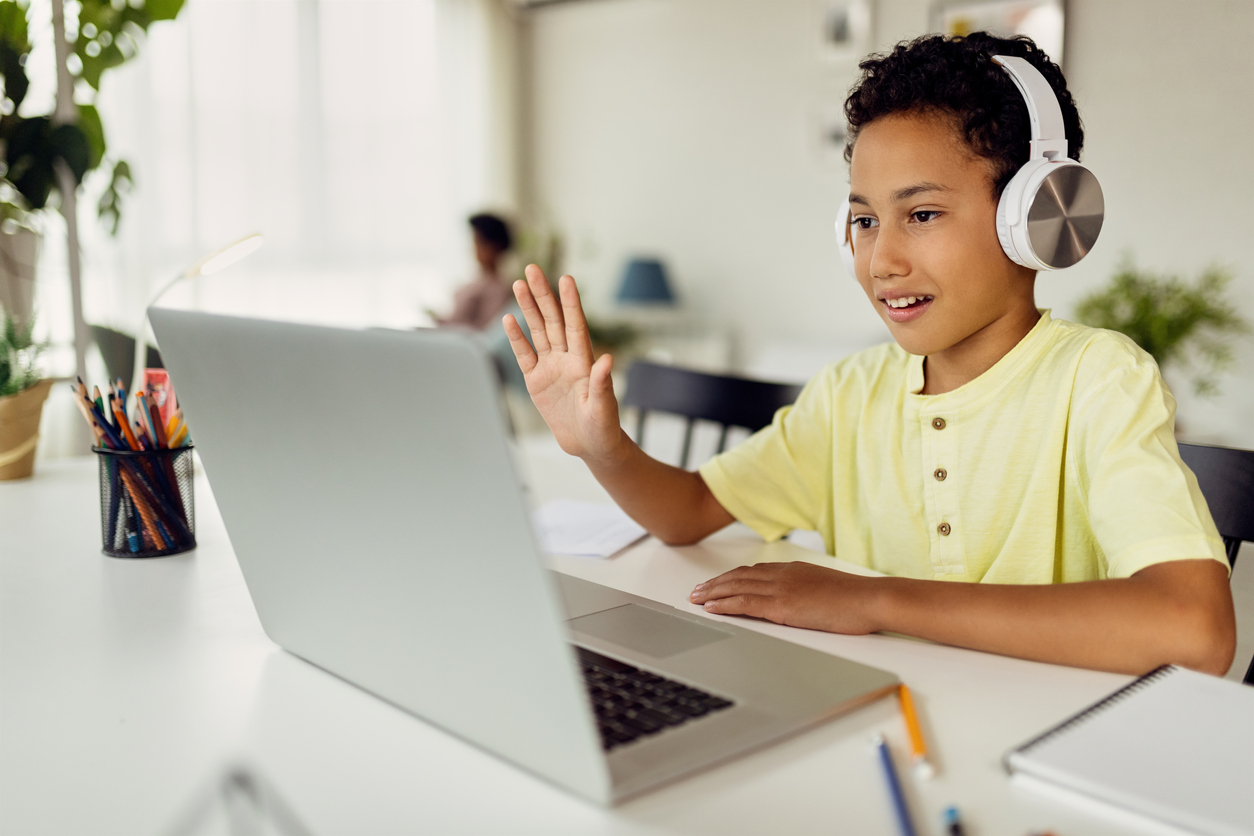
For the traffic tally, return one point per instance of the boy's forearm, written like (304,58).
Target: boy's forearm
(1167,614)
(673,504)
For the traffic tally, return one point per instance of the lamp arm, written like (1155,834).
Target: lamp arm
(215,261)
(141,333)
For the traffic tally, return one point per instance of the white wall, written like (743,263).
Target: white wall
(689,128)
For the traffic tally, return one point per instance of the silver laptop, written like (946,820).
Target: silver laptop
(369,491)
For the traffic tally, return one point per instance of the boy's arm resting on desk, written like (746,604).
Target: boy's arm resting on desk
(576,398)
(1178,612)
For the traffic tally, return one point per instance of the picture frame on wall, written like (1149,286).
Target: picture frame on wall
(845,29)
(1044,21)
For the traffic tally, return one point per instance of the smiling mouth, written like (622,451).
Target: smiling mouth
(907,301)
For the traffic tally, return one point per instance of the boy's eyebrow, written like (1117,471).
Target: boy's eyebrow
(904,193)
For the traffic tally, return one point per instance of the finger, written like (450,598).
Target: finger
(531,312)
(554,325)
(753,605)
(738,572)
(730,588)
(578,340)
(523,352)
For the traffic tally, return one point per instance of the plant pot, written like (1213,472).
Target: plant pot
(19,253)
(19,430)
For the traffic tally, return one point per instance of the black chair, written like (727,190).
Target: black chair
(1226,477)
(699,396)
(118,351)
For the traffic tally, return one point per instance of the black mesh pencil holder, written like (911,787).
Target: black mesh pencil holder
(147,508)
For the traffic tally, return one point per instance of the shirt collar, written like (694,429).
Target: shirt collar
(1001,372)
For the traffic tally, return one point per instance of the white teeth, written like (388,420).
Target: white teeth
(906,301)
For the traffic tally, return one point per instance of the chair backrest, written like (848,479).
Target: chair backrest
(722,399)
(118,351)
(1226,477)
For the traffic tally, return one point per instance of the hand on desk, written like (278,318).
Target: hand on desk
(1178,612)
(796,594)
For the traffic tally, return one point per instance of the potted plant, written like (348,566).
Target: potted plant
(22,395)
(1180,325)
(46,153)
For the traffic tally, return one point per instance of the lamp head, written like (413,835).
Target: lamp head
(644,281)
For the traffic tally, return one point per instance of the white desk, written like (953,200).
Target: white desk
(125,686)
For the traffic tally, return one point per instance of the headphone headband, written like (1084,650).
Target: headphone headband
(1049,136)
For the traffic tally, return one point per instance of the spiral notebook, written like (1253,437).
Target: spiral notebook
(1173,745)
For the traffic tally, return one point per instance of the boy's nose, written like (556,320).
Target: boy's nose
(889,257)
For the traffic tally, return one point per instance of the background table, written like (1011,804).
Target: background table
(128,687)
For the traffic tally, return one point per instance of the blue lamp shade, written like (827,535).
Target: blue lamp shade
(644,281)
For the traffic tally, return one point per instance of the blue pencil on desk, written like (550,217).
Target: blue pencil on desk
(904,824)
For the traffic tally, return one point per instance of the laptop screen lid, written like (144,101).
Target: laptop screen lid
(367,486)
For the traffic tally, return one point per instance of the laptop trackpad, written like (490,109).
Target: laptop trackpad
(646,630)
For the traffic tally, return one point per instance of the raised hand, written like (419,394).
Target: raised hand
(574,394)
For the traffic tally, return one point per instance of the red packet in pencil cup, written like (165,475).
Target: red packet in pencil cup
(161,392)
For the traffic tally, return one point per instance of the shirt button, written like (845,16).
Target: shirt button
(944,529)
(938,423)
(940,474)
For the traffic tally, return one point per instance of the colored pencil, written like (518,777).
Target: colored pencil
(918,748)
(904,824)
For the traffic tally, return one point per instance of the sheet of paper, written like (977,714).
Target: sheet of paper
(585,529)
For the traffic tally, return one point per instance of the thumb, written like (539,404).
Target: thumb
(599,383)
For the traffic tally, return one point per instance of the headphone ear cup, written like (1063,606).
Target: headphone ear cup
(1064,200)
(1012,213)
(844,238)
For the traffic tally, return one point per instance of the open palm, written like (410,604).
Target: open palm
(574,395)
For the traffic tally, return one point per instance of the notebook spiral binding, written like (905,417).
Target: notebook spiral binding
(1096,708)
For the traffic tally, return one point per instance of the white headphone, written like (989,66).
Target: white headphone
(1051,211)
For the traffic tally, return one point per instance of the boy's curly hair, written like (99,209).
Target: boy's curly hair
(956,76)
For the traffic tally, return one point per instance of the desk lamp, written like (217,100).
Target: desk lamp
(207,265)
(644,282)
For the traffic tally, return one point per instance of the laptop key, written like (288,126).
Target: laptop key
(630,703)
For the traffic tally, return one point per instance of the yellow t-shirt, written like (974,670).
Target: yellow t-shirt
(1057,464)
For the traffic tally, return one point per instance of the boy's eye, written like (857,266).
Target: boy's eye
(863,222)
(924,216)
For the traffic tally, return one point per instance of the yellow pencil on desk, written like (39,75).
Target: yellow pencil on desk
(918,749)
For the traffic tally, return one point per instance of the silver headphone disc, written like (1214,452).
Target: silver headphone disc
(1066,216)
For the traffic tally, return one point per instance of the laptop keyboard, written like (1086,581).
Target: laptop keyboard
(631,703)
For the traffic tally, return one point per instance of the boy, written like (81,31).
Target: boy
(477,304)
(1015,477)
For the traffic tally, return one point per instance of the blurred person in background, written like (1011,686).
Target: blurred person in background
(480,303)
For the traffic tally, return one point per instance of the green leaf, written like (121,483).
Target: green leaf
(136,16)
(15,82)
(163,9)
(13,29)
(29,157)
(14,44)
(109,208)
(93,67)
(70,144)
(93,129)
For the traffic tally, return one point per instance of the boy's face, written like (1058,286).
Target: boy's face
(925,226)
(486,253)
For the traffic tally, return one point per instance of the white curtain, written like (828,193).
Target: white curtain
(357,135)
